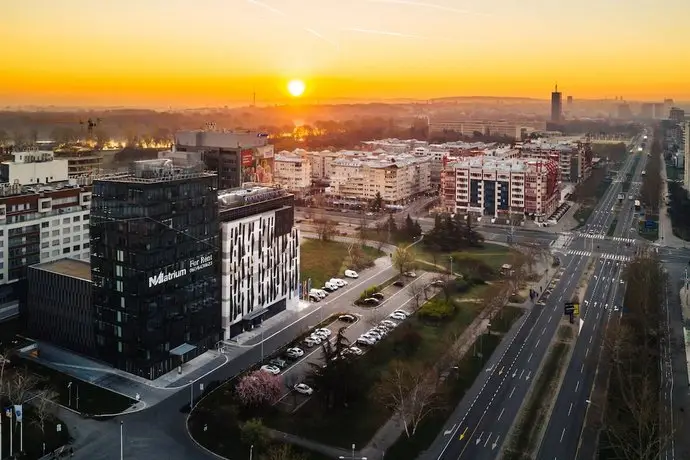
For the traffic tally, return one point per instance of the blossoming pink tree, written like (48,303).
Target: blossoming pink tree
(259,388)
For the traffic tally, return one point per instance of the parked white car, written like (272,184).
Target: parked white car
(389,324)
(294,352)
(338,282)
(331,286)
(351,274)
(304,389)
(366,341)
(325,331)
(273,370)
(355,351)
(398,316)
(402,312)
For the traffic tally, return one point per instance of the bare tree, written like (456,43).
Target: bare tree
(45,407)
(20,386)
(325,228)
(375,317)
(418,294)
(354,250)
(282,452)
(403,258)
(410,391)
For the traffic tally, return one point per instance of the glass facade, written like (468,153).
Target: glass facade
(155,270)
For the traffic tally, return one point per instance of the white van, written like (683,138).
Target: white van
(316,293)
(351,274)
(331,285)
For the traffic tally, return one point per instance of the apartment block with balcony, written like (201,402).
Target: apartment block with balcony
(39,223)
(574,158)
(292,172)
(397,178)
(501,187)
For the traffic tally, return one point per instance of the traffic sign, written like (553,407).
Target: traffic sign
(569,308)
(576,311)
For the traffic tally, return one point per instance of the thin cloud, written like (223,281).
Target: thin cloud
(432,6)
(267,7)
(383,32)
(281,13)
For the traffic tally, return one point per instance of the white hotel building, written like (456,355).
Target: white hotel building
(260,256)
(501,187)
(397,178)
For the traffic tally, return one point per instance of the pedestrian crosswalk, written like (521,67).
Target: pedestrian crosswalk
(563,240)
(606,256)
(601,236)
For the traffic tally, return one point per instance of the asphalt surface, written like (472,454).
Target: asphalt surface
(603,301)
(480,423)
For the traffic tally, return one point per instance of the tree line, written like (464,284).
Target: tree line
(453,233)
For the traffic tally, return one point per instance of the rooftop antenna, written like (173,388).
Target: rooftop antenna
(254,98)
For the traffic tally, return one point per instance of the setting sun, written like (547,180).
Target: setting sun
(296,88)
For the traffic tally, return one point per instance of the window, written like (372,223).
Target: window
(45,224)
(56,252)
(66,220)
(65,250)
(45,244)
(119,346)
(45,255)
(56,232)
(75,248)
(86,245)
(85,227)
(45,234)
(76,218)
(118,286)
(55,243)
(118,270)
(66,231)
(66,240)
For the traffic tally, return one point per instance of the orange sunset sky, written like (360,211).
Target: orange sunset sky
(216,52)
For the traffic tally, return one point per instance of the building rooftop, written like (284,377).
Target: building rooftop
(157,170)
(67,267)
(490,164)
(247,195)
(289,158)
(7,189)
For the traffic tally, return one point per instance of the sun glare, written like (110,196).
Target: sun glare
(296,88)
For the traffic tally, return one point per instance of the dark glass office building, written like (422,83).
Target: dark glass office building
(155,267)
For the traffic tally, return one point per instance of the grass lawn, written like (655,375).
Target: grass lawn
(93,400)
(323,260)
(494,255)
(455,387)
(362,418)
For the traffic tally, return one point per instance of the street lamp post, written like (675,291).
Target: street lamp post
(191,395)
(122,445)
(251,451)
(451,265)
(69,393)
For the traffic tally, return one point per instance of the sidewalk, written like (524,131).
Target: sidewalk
(666,236)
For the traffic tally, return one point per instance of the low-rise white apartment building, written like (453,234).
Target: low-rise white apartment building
(292,171)
(511,130)
(501,187)
(396,177)
(322,164)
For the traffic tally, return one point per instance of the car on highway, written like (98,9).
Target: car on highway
(294,353)
(304,389)
(347,318)
(351,274)
(273,370)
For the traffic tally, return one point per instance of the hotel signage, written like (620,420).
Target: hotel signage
(192,266)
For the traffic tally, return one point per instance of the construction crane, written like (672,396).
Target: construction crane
(90,124)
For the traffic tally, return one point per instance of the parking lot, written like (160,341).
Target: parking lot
(366,318)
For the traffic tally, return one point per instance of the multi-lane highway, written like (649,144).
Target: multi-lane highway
(603,300)
(479,425)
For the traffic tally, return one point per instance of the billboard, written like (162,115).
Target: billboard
(257,164)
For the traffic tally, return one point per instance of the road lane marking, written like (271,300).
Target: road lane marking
(511,394)
(543,331)
(537,344)
(562,434)
(479,439)
(528,375)
(488,438)
(586,352)
(530,357)
(523,371)
(501,414)
(571,409)
(582,368)
(462,436)
(577,386)
(590,338)
(450,430)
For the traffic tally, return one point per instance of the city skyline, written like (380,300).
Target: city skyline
(219,53)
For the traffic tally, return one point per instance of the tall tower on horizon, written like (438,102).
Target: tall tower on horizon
(556,105)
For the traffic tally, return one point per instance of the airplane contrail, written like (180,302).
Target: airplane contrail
(433,6)
(283,14)
(383,32)
(267,7)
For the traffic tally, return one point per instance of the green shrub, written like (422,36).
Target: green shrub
(436,310)
(461,286)
(369,291)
